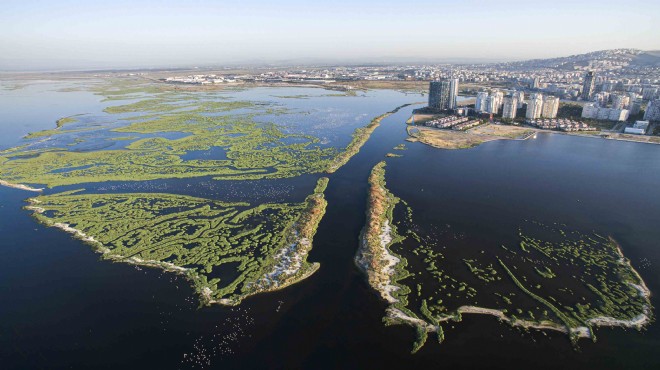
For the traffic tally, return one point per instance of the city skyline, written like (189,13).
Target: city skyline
(78,35)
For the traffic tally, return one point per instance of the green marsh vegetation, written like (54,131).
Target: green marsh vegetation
(228,250)
(254,150)
(555,278)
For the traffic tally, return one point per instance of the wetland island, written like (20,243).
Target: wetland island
(245,190)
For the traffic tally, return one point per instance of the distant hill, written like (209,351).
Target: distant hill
(615,58)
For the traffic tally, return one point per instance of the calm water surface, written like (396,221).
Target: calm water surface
(60,307)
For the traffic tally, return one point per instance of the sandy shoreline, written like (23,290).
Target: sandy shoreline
(20,186)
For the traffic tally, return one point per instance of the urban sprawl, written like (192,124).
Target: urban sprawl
(594,88)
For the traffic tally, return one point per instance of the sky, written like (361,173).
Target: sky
(74,34)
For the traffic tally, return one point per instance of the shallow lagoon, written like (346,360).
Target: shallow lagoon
(98,314)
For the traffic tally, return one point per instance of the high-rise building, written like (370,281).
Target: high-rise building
(440,95)
(632,96)
(652,111)
(588,86)
(480,103)
(491,104)
(550,107)
(494,102)
(521,98)
(620,101)
(510,107)
(602,98)
(534,107)
(649,93)
(590,110)
(453,93)
(618,114)
(635,106)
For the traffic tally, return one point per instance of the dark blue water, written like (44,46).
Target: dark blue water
(60,307)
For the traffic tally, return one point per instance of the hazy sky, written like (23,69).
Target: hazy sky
(117,33)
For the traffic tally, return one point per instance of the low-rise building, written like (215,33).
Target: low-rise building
(639,128)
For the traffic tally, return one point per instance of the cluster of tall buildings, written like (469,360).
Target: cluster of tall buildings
(539,106)
(494,101)
(623,105)
(443,94)
(595,111)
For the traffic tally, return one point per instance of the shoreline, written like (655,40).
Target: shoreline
(292,266)
(291,260)
(380,265)
(373,256)
(360,137)
(98,247)
(484,138)
(20,186)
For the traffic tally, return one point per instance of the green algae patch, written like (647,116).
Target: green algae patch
(228,250)
(554,279)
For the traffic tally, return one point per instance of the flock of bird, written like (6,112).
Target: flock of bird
(223,342)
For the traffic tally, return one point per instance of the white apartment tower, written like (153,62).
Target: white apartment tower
(480,103)
(534,107)
(494,102)
(550,107)
(521,98)
(510,107)
(453,93)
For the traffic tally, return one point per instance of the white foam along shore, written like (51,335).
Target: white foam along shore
(100,248)
(20,186)
(291,259)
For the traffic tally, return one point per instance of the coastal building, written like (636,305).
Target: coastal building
(520,95)
(562,124)
(440,95)
(639,128)
(653,111)
(550,107)
(453,93)
(618,114)
(594,111)
(534,107)
(620,101)
(602,98)
(510,107)
(480,103)
(494,102)
(635,107)
(590,110)
(588,86)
